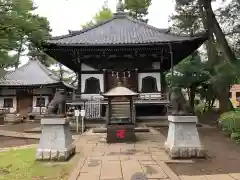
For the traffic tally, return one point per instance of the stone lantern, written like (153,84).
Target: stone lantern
(120,115)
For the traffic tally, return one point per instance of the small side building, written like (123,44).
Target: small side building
(235,95)
(29,89)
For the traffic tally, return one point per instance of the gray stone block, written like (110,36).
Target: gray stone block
(39,155)
(46,154)
(56,141)
(183,138)
(54,155)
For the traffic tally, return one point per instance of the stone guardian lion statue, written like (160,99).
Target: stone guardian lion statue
(179,103)
(57,104)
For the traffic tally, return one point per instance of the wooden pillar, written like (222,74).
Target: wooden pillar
(79,90)
(109,110)
(131,110)
(136,71)
(163,83)
(105,80)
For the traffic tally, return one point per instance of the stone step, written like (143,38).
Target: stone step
(120,115)
(120,110)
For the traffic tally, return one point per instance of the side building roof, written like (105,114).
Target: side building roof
(34,73)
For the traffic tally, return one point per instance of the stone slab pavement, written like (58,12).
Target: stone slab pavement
(24,135)
(102,161)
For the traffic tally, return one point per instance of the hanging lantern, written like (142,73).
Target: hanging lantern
(129,74)
(112,73)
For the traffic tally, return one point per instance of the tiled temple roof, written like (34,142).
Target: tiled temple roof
(120,30)
(34,73)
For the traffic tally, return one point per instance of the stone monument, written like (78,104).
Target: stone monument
(56,141)
(183,139)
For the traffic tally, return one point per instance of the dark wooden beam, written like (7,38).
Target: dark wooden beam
(163,83)
(93,72)
(79,90)
(132,70)
(105,80)
(137,85)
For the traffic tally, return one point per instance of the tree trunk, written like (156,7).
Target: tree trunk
(19,51)
(212,102)
(220,36)
(208,21)
(224,101)
(60,71)
(192,94)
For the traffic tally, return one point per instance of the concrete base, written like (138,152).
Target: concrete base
(183,138)
(56,141)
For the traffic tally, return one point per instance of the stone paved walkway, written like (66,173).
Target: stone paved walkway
(24,135)
(101,161)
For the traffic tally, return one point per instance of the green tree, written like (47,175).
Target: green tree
(104,14)
(138,9)
(222,61)
(19,29)
(213,27)
(189,74)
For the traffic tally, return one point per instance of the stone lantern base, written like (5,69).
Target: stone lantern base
(183,138)
(56,141)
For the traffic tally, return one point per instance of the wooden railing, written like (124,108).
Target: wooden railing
(153,96)
(141,97)
(4,110)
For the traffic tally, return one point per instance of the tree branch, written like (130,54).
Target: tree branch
(233,32)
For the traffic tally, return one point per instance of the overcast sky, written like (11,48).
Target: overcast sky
(65,15)
(70,14)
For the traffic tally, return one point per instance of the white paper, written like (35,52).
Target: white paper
(76,112)
(83,112)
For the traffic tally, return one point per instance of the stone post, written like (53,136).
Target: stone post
(183,138)
(56,141)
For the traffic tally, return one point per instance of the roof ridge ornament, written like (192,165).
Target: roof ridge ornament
(120,6)
(120,13)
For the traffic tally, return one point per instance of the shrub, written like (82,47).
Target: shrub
(230,122)
(199,109)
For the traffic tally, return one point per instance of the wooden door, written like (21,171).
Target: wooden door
(128,79)
(24,102)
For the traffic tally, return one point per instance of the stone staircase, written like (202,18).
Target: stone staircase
(121,109)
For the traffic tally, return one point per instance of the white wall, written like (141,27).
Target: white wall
(37,109)
(6,92)
(143,75)
(85,67)
(35,100)
(97,76)
(14,108)
(39,92)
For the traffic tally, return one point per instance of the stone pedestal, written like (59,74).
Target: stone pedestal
(183,138)
(123,133)
(56,141)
